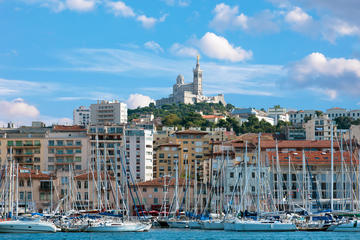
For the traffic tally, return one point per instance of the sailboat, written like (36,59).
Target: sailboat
(259,225)
(23,225)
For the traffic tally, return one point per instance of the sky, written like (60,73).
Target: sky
(56,55)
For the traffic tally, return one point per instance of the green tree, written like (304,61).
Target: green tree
(343,122)
(318,113)
(171,120)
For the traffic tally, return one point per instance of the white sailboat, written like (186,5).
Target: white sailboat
(113,226)
(27,226)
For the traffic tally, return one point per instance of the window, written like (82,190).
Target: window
(231,176)
(86,196)
(78,196)
(29,195)
(21,183)
(156,189)
(21,195)
(86,184)
(144,189)
(79,184)
(29,183)
(161,155)
(156,200)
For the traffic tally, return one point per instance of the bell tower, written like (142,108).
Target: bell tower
(197,80)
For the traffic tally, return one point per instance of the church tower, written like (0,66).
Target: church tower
(197,80)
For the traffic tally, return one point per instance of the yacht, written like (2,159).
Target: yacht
(27,226)
(251,225)
(112,226)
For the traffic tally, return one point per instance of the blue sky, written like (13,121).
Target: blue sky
(56,55)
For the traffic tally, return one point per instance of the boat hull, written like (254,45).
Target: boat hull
(353,226)
(212,225)
(194,225)
(119,228)
(178,224)
(26,227)
(260,226)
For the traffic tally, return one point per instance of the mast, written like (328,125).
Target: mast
(342,171)
(98,171)
(195,188)
(176,186)
(245,176)
(17,189)
(304,180)
(278,174)
(116,179)
(289,182)
(332,169)
(258,178)
(105,177)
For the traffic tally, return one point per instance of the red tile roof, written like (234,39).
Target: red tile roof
(63,128)
(86,176)
(25,173)
(299,144)
(312,158)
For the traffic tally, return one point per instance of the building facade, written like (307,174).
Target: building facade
(108,112)
(81,116)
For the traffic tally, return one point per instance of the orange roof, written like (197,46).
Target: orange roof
(63,128)
(89,175)
(299,144)
(160,182)
(212,116)
(312,158)
(25,173)
(191,132)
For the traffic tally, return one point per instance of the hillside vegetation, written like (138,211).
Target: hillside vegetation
(183,115)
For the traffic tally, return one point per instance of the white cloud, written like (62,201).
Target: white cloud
(14,87)
(119,8)
(183,51)
(297,16)
(154,46)
(80,5)
(138,100)
(331,75)
(218,47)
(17,109)
(228,18)
(180,3)
(147,22)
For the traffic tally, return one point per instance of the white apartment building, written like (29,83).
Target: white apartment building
(81,116)
(336,112)
(243,113)
(297,117)
(278,114)
(139,154)
(108,112)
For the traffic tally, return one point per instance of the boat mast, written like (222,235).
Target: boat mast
(342,171)
(116,178)
(98,171)
(176,186)
(289,182)
(258,178)
(304,180)
(332,169)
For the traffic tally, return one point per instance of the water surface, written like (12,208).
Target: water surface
(174,234)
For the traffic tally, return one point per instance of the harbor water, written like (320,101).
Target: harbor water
(174,234)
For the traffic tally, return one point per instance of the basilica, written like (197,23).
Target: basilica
(190,93)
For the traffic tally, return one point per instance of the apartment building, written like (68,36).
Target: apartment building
(183,148)
(81,116)
(278,114)
(139,152)
(319,128)
(299,117)
(336,112)
(108,112)
(158,194)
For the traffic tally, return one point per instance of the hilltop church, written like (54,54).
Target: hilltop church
(190,93)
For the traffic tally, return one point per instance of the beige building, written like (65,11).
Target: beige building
(319,128)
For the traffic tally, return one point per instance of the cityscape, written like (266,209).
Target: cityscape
(180,135)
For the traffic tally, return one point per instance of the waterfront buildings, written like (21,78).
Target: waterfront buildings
(335,112)
(244,113)
(319,128)
(278,114)
(299,117)
(190,93)
(108,112)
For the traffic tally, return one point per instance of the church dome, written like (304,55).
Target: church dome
(180,79)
